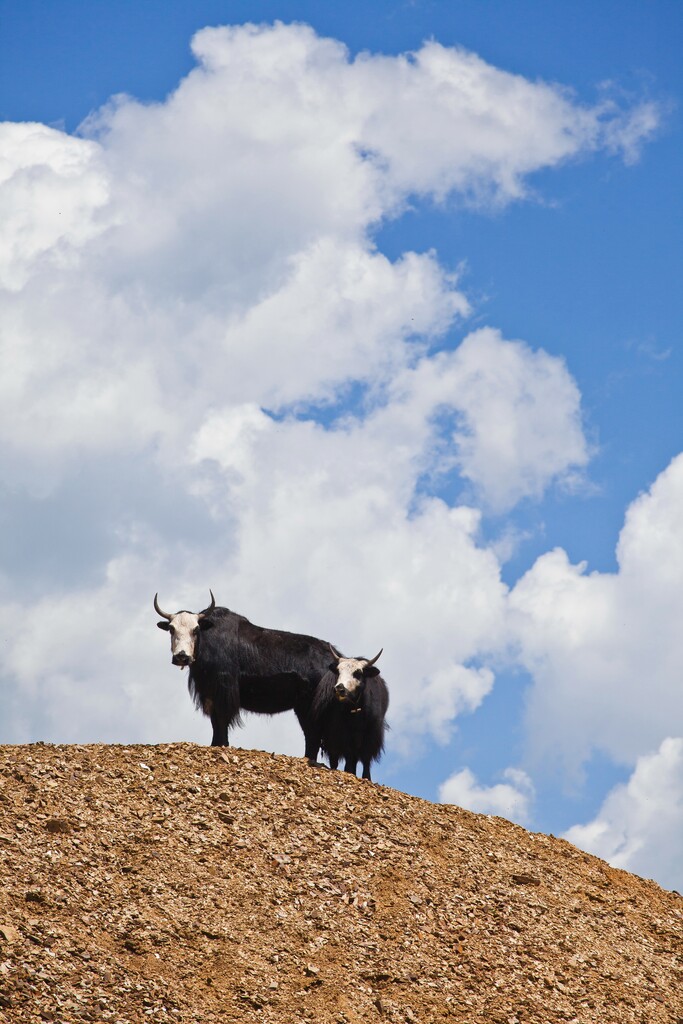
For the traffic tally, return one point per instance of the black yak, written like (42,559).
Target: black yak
(237,666)
(349,706)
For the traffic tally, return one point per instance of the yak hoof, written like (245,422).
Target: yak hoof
(316,764)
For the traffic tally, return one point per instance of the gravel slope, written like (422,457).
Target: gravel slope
(181,883)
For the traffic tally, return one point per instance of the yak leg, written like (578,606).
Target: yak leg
(223,708)
(220,730)
(311,752)
(350,765)
(311,737)
(334,762)
(366,771)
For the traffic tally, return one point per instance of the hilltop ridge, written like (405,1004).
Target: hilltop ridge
(191,884)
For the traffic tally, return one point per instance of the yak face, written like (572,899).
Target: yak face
(184,628)
(352,674)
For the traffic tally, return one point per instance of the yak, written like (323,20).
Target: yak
(349,707)
(236,666)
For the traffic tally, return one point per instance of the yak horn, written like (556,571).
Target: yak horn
(376,658)
(336,653)
(158,610)
(207,611)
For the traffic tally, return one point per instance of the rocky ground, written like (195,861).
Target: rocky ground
(181,883)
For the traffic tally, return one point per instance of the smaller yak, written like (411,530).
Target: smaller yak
(349,706)
(236,666)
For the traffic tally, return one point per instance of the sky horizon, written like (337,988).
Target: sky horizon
(367,321)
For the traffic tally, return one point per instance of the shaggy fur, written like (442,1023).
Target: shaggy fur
(242,667)
(350,730)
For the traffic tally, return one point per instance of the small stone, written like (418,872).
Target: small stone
(57,825)
(35,896)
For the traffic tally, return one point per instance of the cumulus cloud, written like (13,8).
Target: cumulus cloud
(216,372)
(327,534)
(83,668)
(53,189)
(214,247)
(640,824)
(344,313)
(511,416)
(510,799)
(605,649)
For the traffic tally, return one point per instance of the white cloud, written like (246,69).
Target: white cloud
(509,799)
(626,132)
(517,421)
(475,129)
(214,248)
(52,190)
(343,313)
(195,260)
(84,669)
(605,649)
(327,533)
(640,824)
(314,505)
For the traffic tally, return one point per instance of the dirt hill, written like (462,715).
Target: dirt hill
(181,883)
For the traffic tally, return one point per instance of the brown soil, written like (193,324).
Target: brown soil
(181,883)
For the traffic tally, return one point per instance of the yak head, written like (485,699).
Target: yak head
(184,628)
(351,675)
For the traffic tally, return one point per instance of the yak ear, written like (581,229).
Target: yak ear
(164,625)
(334,667)
(206,624)
(371,670)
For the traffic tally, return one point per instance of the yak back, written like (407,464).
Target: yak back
(272,651)
(279,670)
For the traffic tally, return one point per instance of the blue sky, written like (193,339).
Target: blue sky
(474,304)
